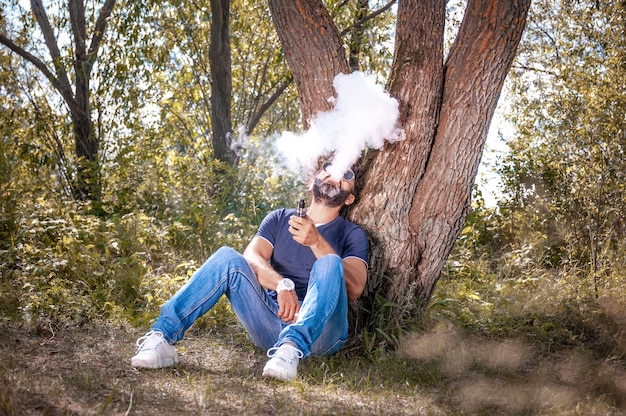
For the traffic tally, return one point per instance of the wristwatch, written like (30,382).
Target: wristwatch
(285,284)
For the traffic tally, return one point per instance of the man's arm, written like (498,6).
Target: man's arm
(355,275)
(258,254)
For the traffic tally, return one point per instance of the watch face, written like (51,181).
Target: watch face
(285,284)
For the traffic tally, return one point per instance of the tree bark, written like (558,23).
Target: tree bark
(474,74)
(416,193)
(86,142)
(390,185)
(314,51)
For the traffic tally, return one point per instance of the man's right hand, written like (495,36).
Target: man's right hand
(288,306)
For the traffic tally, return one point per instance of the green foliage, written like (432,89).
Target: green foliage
(383,332)
(551,307)
(564,177)
(8,192)
(166,205)
(63,265)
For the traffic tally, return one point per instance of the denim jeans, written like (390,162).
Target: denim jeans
(322,324)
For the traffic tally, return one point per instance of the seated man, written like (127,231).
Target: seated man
(290,289)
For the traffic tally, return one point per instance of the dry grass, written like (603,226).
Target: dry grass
(442,372)
(510,377)
(87,372)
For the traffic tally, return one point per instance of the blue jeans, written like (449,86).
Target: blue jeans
(322,324)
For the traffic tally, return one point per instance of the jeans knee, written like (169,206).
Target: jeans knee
(225,251)
(228,255)
(332,260)
(328,264)
(230,261)
(225,258)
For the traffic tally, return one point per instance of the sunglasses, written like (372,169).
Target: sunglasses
(347,176)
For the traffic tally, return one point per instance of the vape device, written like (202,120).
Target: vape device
(301,211)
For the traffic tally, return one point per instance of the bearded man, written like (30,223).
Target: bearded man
(290,288)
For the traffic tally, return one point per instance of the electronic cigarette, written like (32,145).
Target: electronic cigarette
(301,211)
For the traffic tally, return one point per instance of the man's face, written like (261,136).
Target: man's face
(330,192)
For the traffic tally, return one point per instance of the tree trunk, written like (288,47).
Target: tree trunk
(314,51)
(416,193)
(474,74)
(390,184)
(86,145)
(87,186)
(221,82)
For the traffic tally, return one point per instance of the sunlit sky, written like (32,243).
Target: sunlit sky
(487,179)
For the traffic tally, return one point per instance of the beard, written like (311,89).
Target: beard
(328,194)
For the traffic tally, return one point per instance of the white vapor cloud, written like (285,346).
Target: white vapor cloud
(363,116)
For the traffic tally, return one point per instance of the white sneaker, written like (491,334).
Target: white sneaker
(283,363)
(153,351)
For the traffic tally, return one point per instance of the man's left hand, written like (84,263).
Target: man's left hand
(288,306)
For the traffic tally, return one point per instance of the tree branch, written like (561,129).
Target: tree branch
(254,120)
(99,30)
(533,69)
(63,82)
(27,55)
(67,94)
(368,17)
(79,29)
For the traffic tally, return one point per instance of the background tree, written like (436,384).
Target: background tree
(80,57)
(416,193)
(154,101)
(221,91)
(200,80)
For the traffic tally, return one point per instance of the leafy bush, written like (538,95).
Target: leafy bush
(66,266)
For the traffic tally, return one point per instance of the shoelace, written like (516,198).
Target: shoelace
(286,352)
(142,340)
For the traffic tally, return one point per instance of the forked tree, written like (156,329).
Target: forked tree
(416,193)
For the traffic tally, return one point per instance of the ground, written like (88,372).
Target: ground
(86,371)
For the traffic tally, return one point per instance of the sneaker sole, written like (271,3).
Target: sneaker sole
(277,374)
(169,362)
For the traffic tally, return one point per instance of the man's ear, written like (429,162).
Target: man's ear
(350,199)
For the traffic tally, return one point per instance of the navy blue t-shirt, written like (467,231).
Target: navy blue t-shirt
(295,261)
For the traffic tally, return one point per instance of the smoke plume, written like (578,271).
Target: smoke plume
(363,116)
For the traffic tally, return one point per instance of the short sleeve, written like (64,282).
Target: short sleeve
(357,244)
(268,230)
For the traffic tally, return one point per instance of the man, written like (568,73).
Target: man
(311,265)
